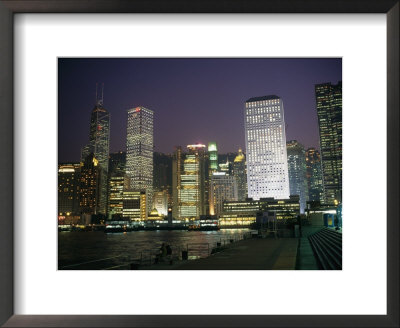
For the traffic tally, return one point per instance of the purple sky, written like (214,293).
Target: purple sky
(194,100)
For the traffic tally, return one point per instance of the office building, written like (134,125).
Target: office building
(117,183)
(191,195)
(267,169)
(68,189)
(213,156)
(117,163)
(223,187)
(329,110)
(135,205)
(283,209)
(314,175)
(139,150)
(90,186)
(239,172)
(296,158)
(162,172)
(99,146)
(177,169)
(160,202)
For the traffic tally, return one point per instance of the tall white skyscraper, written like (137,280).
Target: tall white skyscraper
(267,167)
(139,150)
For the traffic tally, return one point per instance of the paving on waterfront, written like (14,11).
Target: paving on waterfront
(250,254)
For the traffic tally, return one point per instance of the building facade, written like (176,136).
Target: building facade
(99,146)
(239,172)
(135,205)
(177,169)
(223,188)
(90,186)
(213,156)
(329,110)
(160,202)
(191,195)
(296,156)
(314,175)
(267,169)
(117,183)
(284,209)
(117,163)
(68,188)
(139,150)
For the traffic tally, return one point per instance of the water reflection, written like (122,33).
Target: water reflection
(77,247)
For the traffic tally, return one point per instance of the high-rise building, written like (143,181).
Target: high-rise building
(160,202)
(117,163)
(177,169)
(139,150)
(314,175)
(91,186)
(267,169)
(191,195)
(213,156)
(68,188)
(239,172)
(162,172)
(99,146)
(135,205)
(223,188)
(329,110)
(296,158)
(117,183)
(225,167)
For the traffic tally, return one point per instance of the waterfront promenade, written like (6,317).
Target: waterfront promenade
(249,254)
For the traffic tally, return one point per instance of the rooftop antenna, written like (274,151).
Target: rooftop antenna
(99,101)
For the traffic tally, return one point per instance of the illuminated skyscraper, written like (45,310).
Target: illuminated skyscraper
(99,146)
(239,172)
(223,188)
(90,186)
(139,150)
(68,189)
(160,202)
(267,169)
(117,183)
(314,175)
(177,169)
(213,156)
(135,205)
(191,195)
(297,172)
(329,110)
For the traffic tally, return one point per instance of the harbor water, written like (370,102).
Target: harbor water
(77,247)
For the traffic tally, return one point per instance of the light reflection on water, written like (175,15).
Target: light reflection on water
(76,246)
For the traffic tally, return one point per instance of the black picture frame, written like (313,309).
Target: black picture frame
(10,7)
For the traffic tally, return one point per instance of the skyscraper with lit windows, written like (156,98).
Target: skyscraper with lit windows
(267,168)
(239,172)
(191,195)
(297,172)
(223,187)
(314,175)
(68,188)
(139,150)
(329,110)
(99,147)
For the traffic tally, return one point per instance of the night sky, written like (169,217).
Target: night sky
(194,100)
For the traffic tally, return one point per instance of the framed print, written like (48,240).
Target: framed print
(82,81)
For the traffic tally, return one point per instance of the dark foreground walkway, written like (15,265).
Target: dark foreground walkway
(250,254)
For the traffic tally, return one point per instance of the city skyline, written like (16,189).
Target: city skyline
(209,106)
